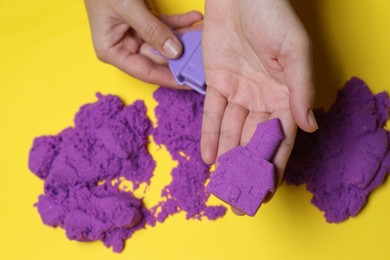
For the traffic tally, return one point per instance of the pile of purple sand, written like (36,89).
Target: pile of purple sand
(341,163)
(179,125)
(80,166)
(348,157)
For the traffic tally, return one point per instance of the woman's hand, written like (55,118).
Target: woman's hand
(257,59)
(125,32)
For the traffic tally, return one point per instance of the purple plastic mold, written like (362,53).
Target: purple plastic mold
(245,175)
(188,68)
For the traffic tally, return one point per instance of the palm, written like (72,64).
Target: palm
(248,68)
(246,74)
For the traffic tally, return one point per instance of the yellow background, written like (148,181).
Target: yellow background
(48,70)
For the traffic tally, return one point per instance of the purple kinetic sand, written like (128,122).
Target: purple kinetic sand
(341,163)
(78,165)
(348,156)
(245,175)
(179,121)
(109,141)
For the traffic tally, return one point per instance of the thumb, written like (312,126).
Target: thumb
(152,30)
(299,79)
(302,93)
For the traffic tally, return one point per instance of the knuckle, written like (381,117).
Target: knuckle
(210,115)
(298,41)
(229,134)
(289,145)
(102,53)
(210,133)
(151,32)
(304,41)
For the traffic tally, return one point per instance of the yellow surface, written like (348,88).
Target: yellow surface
(48,70)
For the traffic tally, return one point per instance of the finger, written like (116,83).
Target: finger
(196,27)
(251,122)
(231,132)
(299,78)
(149,52)
(141,67)
(231,128)
(151,29)
(182,20)
(283,153)
(214,108)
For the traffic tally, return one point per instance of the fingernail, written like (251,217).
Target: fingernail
(312,119)
(170,48)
